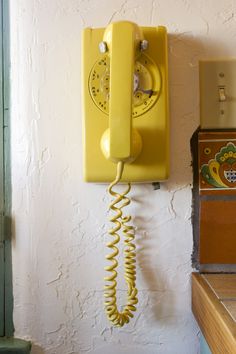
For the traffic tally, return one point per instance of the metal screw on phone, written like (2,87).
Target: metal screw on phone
(144,44)
(103,47)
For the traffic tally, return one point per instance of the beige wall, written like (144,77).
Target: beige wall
(60,222)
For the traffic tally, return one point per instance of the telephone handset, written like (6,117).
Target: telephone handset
(125,122)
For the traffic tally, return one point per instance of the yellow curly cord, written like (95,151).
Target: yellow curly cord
(120,318)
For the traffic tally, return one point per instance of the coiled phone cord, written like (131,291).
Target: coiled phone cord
(120,222)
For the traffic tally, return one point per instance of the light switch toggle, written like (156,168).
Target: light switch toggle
(222,95)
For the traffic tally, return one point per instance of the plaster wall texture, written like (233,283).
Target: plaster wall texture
(60,222)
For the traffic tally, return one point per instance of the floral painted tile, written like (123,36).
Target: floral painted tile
(217,162)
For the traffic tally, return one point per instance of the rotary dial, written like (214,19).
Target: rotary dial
(146,87)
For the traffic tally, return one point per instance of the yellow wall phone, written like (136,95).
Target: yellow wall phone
(125,121)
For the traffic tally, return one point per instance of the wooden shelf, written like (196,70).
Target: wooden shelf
(213,304)
(224,285)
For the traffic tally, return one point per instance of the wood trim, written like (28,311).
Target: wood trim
(6,293)
(2,272)
(216,324)
(9,327)
(2,246)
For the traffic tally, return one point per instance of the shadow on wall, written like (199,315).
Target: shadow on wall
(185,52)
(161,301)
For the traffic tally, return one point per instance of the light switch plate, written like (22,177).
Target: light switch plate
(217,94)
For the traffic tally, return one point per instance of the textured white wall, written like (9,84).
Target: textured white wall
(59,221)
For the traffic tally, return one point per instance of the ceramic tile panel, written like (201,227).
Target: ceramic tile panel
(217,197)
(217,231)
(217,163)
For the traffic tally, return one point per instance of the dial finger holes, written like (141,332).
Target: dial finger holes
(146,79)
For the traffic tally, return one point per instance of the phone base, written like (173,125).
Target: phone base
(152,123)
